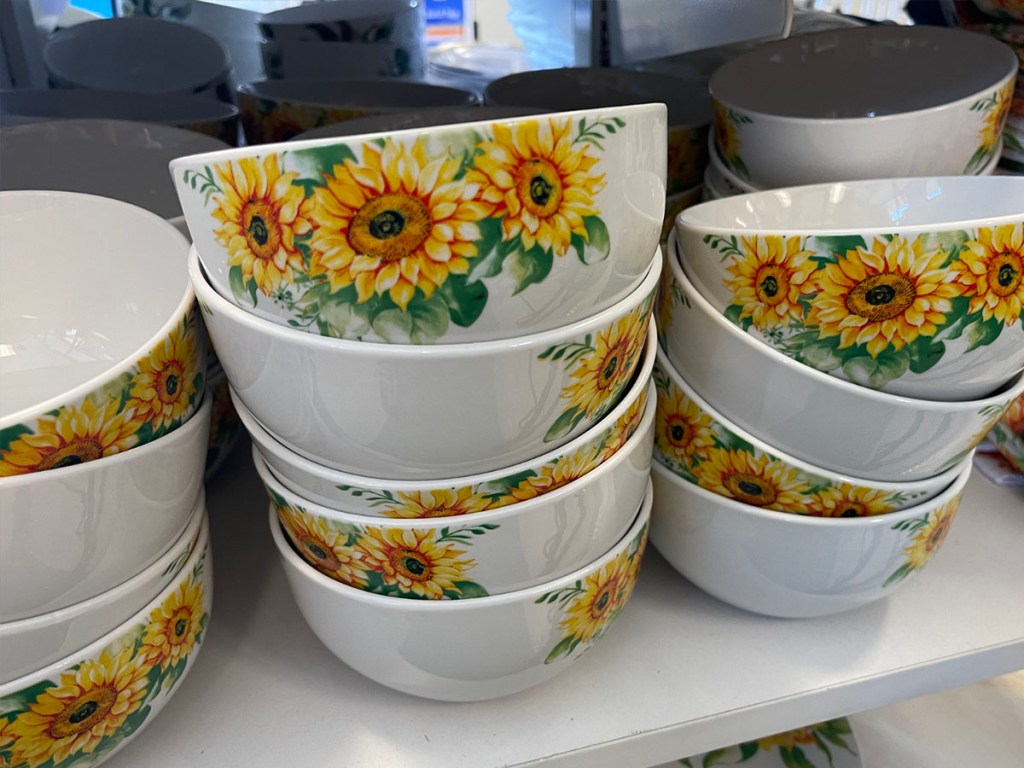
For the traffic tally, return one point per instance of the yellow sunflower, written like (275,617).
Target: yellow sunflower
(414,561)
(173,626)
(995,117)
(322,547)
(601,373)
(789,739)
(885,297)
(439,503)
(604,592)
(991,270)
(539,181)
(552,476)
(73,436)
(89,704)
(261,212)
(1014,416)
(623,429)
(682,431)
(845,500)
(164,385)
(929,537)
(770,278)
(726,136)
(398,222)
(758,480)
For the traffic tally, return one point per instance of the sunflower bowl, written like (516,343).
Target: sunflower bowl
(413,412)
(702,446)
(910,286)
(794,566)
(802,412)
(1008,434)
(464,233)
(469,650)
(86,706)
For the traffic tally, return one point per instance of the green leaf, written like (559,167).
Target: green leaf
(9,434)
(469,589)
(748,749)
(323,159)
(564,424)
(794,758)
(599,243)
(982,333)
(734,442)
(832,247)
(899,574)
(733,313)
(924,352)
(821,355)
(238,287)
(957,318)
(876,372)
(565,647)
(712,758)
(466,300)
(529,267)
(503,485)
(490,253)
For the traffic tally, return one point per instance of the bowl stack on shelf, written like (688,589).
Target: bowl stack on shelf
(830,356)
(440,340)
(105,586)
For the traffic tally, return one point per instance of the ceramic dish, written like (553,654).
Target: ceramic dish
(1008,434)
(362,61)
(82,709)
(799,410)
(463,495)
(676,204)
(794,566)
(346,22)
(910,286)
(468,650)
(225,424)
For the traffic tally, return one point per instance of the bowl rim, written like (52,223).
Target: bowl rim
(299,566)
(249,91)
(211,301)
(181,309)
(715,159)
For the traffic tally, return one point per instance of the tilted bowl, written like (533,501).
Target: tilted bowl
(911,286)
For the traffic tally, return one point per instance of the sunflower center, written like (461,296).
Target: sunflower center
(411,564)
(1006,273)
(84,712)
(882,297)
(611,366)
(171,378)
(852,509)
(604,599)
(179,625)
(771,285)
(678,432)
(389,227)
(539,187)
(76,452)
(262,231)
(750,489)
(321,553)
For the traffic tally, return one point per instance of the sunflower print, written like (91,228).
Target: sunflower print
(261,212)
(683,433)
(885,297)
(321,546)
(174,626)
(995,118)
(769,279)
(845,500)
(73,436)
(163,389)
(789,739)
(1014,416)
(758,480)
(604,592)
(931,535)
(397,222)
(727,138)
(539,181)
(552,476)
(622,430)
(438,503)
(991,271)
(414,561)
(75,716)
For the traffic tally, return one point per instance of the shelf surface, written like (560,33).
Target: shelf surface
(680,673)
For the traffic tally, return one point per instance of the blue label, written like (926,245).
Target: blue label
(446,12)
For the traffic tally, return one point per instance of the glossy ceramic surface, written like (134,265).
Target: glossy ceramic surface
(469,650)
(794,566)
(416,412)
(426,236)
(347,22)
(910,286)
(225,424)
(1008,434)
(800,410)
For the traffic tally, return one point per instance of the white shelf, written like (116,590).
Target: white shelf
(680,673)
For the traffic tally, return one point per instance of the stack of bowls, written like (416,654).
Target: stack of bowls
(831,355)
(440,341)
(826,107)
(104,575)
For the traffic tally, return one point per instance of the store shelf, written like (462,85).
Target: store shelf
(680,673)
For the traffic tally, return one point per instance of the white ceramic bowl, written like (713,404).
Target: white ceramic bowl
(105,349)
(720,175)
(450,234)
(468,650)
(35,642)
(360,61)
(911,286)
(346,22)
(702,446)
(84,707)
(411,412)
(794,566)
(464,495)
(811,415)
(541,535)
(872,102)
(75,532)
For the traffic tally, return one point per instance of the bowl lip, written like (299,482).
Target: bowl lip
(211,300)
(691,219)
(1010,74)
(943,479)
(964,469)
(1011,389)
(297,565)
(249,90)
(122,128)
(181,309)
(267,442)
(715,159)
(503,514)
(200,549)
(208,111)
(79,609)
(197,422)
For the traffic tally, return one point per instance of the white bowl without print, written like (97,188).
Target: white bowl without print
(794,566)
(468,650)
(811,415)
(415,412)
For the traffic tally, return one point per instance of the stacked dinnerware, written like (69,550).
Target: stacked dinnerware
(104,567)
(830,356)
(440,341)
